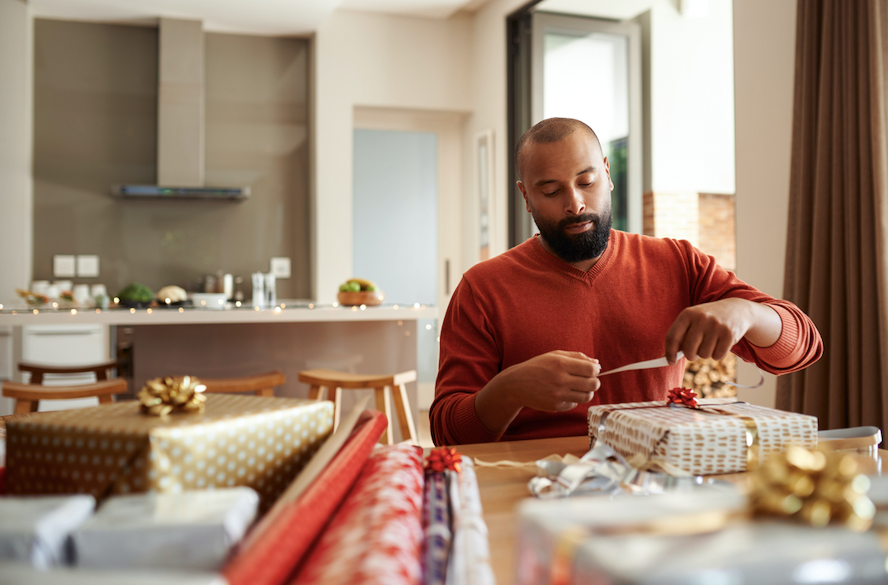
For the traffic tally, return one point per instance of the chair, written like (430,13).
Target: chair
(261,384)
(321,381)
(28,396)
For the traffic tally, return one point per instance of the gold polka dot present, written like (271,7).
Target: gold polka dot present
(237,440)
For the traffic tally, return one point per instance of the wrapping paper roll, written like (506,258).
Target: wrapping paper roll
(376,535)
(470,555)
(437,531)
(270,556)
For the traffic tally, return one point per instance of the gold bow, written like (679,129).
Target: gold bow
(817,487)
(161,396)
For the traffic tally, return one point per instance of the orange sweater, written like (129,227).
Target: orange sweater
(527,302)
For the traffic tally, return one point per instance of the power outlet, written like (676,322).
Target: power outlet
(280,267)
(63,266)
(87,265)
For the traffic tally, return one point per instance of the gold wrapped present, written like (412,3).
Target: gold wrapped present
(719,435)
(237,440)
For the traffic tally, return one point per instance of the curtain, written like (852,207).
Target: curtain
(835,255)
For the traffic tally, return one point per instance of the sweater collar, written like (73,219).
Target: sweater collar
(557,263)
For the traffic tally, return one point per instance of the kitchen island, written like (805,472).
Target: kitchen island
(240,341)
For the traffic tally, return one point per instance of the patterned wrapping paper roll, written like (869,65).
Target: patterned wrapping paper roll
(437,533)
(269,557)
(375,536)
(470,555)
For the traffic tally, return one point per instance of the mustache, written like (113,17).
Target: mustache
(592,217)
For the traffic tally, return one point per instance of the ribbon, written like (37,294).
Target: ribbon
(662,363)
(443,458)
(815,487)
(161,396)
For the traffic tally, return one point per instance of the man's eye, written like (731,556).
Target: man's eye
(550,194)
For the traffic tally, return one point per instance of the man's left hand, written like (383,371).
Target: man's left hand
(710,330)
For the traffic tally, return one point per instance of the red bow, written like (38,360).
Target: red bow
(682,396)
(443,458)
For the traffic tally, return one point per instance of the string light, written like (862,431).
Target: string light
(73,311)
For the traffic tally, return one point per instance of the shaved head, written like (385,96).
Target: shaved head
(546,131)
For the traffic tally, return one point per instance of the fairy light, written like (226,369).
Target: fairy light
(55,305)
(149,311)
(363,307)
(277,309)
(237,303)
(36,311)
(132,311)
(283,305)
(311,305)
(181,310)
(73,311)
(395,307)
(415,305)
(354,308)
(167,300)
(335,304)
(257,308)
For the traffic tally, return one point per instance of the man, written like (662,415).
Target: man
(527,333)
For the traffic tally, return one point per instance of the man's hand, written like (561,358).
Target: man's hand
(710,330)
(555,381)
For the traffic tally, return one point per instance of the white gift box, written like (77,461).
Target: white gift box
(20,574)
(35,529)
(189,530)
(645,540)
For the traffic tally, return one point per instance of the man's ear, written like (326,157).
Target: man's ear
(607,169)
(524,194)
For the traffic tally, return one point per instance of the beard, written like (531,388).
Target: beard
(577,248)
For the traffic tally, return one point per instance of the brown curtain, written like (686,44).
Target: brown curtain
(835,256)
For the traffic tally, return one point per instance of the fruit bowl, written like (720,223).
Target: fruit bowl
(364,297)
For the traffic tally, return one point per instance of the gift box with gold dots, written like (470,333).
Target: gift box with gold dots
(237,440)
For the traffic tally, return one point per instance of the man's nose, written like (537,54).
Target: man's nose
(575,203)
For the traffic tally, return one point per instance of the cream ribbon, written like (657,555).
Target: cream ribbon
(662,363)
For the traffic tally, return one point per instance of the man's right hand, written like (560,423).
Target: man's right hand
(553,382)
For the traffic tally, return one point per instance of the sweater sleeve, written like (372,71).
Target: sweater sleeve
(469,359)
(799,344)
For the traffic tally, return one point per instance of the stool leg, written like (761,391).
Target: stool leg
(268,392)
(315,392)
(384,404)
(405,415)
(106,399)
(337,407)
(25,406)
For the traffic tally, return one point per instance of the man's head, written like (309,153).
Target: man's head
(565,180)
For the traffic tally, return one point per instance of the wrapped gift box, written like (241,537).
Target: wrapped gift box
(238,440)
(188,530)
(651,540)
(35,530)
(699,442)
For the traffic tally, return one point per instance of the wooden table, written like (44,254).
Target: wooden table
(502,488)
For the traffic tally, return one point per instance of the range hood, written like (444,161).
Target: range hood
(180,119)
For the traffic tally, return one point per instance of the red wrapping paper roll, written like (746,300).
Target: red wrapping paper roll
(271,557)
(376,536)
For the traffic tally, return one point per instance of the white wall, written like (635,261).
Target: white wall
(365,59)
(692,99)
(16,138)
(764,63)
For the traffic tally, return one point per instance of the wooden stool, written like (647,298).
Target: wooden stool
(261,384)
(38,370)
(320,381)
(28,396)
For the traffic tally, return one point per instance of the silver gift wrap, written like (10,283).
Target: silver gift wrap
(645,541)
(189,530)
(35,529)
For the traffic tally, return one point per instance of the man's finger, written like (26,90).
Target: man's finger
(675,336)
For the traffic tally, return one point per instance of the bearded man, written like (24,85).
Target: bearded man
(528,332)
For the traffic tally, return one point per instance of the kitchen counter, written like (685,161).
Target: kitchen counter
(241,341)
(285,312)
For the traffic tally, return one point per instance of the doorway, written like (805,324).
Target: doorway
(407,201)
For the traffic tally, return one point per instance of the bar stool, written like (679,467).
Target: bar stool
(28,396)
(322,381)
(37,371)
(261,384)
